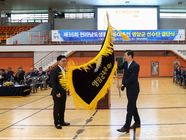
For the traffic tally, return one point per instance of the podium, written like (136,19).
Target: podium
(104,103)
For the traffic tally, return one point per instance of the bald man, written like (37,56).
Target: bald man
(30,74)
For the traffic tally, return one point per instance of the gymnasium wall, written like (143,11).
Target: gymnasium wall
(90,24)
(171,23)
(15,60)
(143,58)
(75,24)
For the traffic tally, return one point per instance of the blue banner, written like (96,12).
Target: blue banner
(134,35)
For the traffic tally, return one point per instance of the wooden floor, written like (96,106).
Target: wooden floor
(161,103)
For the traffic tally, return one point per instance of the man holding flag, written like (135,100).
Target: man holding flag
(130,81)
(58,93)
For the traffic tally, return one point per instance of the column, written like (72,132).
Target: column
(0,17)
(51,15)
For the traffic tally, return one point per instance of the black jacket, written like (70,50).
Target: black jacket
(19,78)
(4,79)
(130,77)
(54,79)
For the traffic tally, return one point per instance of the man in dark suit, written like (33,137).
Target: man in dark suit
(41,72)
(10,72)
(22,71)
(30,74)
(130,81)
(18,76)
(181,75)
(58,93)
(184,77)
(36,71)
(3,76)
(48,73)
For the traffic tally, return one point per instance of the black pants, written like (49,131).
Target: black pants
(59,108)
(181,80)
(132,110)
(48,82)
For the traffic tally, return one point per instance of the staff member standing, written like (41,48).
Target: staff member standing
(130,81)
(58,93)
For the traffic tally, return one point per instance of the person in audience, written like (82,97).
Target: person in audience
(184,77)
(48,73)
(181,73)
(18,76)
(3,76)
(177,74)
(30,74)
(176,64)
(6,72)
(49,70)
(10,72)
(41,72)
(36,71)
(22,71)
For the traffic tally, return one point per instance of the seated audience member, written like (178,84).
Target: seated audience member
(177,74)
(176,64)
(36,71)
(22,71)
(41,72)
(10,72)
(184,76)
(18,76)
(3,76)
(48,73)
(181,73)
(49,70)
(6,72)
(30,74)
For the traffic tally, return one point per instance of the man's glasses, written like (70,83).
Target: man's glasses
(64,61)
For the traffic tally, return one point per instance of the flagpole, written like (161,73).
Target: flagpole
(118,83)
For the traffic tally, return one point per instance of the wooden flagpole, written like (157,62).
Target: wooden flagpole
(118,83)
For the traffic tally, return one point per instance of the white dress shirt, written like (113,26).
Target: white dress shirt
(129,64)
(62,70)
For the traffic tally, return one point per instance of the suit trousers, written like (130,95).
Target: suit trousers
(181,80)
(132,110)
(59,108)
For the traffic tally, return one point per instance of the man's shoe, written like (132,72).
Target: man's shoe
(123,129)
(58,126)
(135,126)
(65,124)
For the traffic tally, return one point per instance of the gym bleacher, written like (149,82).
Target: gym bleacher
(7,31)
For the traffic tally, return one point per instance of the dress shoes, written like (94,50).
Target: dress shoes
(58,126)
(65,124)
(135,126)
(123,129)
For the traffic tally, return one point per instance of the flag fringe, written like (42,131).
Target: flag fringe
(67,82)
(106,50)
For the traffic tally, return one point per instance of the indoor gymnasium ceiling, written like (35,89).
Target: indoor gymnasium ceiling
(87,5)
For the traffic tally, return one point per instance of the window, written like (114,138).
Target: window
(78,15)
(172,15)
(29,17)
